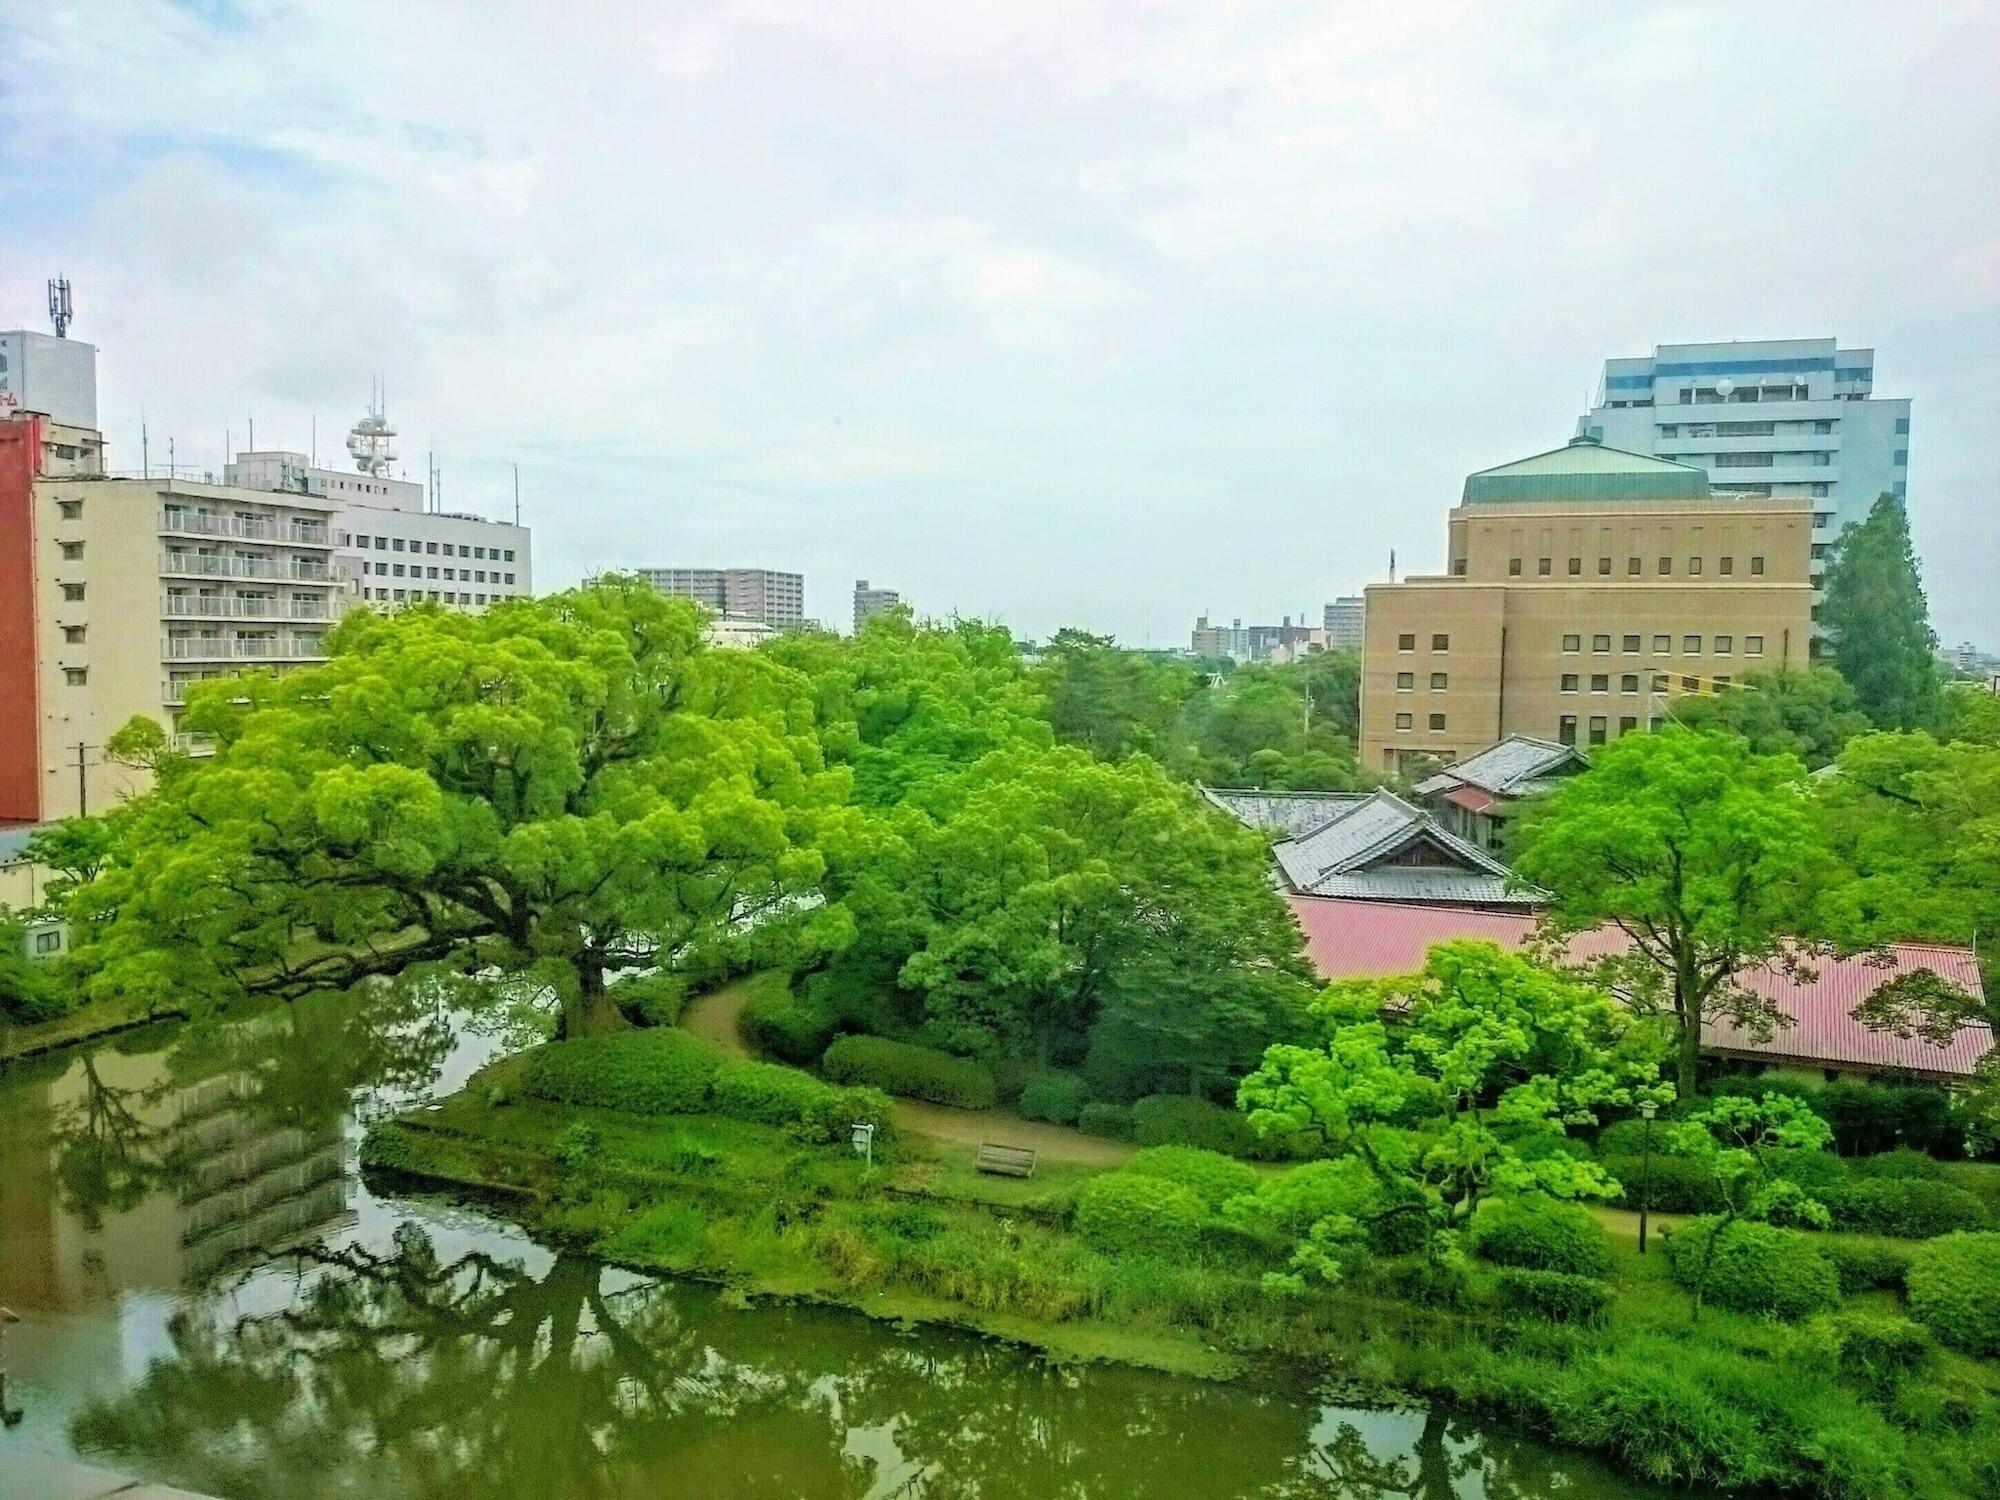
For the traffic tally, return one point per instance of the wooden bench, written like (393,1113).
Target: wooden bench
(1006,1161)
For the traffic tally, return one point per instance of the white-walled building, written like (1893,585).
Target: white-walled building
(778,599)
(56,377)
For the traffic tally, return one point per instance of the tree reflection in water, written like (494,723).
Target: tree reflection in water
(402,1373)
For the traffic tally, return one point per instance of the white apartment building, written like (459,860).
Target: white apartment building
(389,548)
(1345,622)
(778,599)
(870,602)
(56,377)
(1818,430)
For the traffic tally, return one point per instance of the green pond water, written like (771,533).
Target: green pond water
(211,1297)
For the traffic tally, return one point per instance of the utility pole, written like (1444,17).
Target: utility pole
(82,783)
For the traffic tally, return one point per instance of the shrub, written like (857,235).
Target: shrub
(1131,1213)
(1559,1296)
(1954,1286)
(660,1071)
(1910,1209)
(1537,1233)
(1871,1116)
(782,1023)
(1818,1174)
(807,1107)
(1421,1280)
(1183,1120)
(1666,1184)
(655,999)
(1054,1095)
(1112,1121)
(1756,1268)
(576,1146)
(1865,1264)
(1877,1350)
(1209,1175)
(1902,1162)
(1286,1206)
(1628,1138)
(913,1071)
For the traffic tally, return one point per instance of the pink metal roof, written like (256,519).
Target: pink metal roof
(1347,939)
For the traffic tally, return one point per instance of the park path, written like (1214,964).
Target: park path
(714,1017)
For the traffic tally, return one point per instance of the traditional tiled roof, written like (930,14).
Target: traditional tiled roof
(1350,854)
(1290,814)
(1517,766)
(1347,938)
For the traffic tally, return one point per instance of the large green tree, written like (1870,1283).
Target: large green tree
(1109,700)
(1451,1084)
(1810,713)
(559,788)
(1692,845)
(1877,623)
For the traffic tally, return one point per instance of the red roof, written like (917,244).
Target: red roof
(1348,939)
(1473,799)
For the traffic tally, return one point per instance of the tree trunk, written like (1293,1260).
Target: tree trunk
(1688,1053)
(592,1012)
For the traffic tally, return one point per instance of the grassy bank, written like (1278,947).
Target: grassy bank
(1734,1401)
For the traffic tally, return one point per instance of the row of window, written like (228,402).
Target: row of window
(1600,725)
(1634,566)
(1663,645)
(1407,721)
(1820,427)
(395,544)
(1406,682)
(419,570)
(411,596)
(1408,642)
(1628,682)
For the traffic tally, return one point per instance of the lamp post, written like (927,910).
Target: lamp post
(1646,1112)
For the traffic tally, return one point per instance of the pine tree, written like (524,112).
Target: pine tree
(1877,622)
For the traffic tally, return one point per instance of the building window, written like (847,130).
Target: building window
(1569,681)
(381,544)
(1572,643)
(1598,725)
(1724,644)
(73,592)
(1566,729)
(1655,723)
(430,572)
(1600,644)
(1437,682)
(1899,489)
(1694,565)
(1604,567)
(1902,426)
(464,551)
(71,551)
(73,635)
(70,510)
(1627,724)
(1900,458)
(399,570)
(1690,684)
(1628,682)
(1440,643)
(1513,567)
(1726,565)
(1458,567)
(1666,566)
(1406,682)
(1542,566)
(1757,566)
(508,555)
(1437,721)
(1575,566)
(1600,682)
(1405,721)
(397,543)
(1631,645)
(510,577)
(1690,645)
(1662,645)
(1753,645)
(1721,683)
(1659,682)
(1406,643)
(47,942)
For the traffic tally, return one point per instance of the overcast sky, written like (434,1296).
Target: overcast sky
(1063,313)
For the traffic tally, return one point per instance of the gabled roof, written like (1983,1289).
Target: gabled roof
(1290,814)
(1517,766)
(1350,855)
(1586,469)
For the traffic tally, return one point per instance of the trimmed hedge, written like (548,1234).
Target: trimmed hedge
(1666,1184)
(1757,1268)
(1628,1138)
(1112,1121)
(1908,1208)
(786,1025)
(660,1071)
(1183,1120)
(1864,1263)
(1954,1287)
(1134,1214)
(912,1071)
(1209,1175)
(808,1107)
(655,999)
(1559,1296)
(1537,1233)
(1877,1350)
(1054,1095)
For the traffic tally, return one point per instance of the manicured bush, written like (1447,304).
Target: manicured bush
(1131,1213)
(1284,1207)
(1628,1138)
(1954,1286)
(1900,1163)
(658,1071)
(1537,1233)
(1877,1349)
(1864,1263)
(808,1107)
(1112,1121)
(786,1025)
(911,1071)
(1818,1174)
(652,999)
(1209,1175)
(1183,1120)
(1910,1208)
(1870,1116)
(1665,1184)
(1054,1095)
(1755,1268)
(1559,1296)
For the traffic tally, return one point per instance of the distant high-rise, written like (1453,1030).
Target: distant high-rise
(868,602)
(52,376)
(1819,431)
(778,599)
(1344,620)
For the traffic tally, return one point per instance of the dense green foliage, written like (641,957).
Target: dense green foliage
(1866,1264)
(1876,622)
(1954,1285)
(1752,1267)
(29,990)
(1560,1296)
(1054,1095)
(1810,714)
(911,1071)
(799,1103)
(1913,1209)
(1538,1233)
(1139,1214)
(1210,1176)
(1181,1120)
(653,1072)
(779,1020)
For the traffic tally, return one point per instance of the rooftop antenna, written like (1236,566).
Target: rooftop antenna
(60,310)
(371,441)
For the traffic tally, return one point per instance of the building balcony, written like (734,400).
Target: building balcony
(216,607)
(191,744)
(209,565)
(238,648)
(277,529)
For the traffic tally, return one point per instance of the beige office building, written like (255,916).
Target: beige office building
(1588,588)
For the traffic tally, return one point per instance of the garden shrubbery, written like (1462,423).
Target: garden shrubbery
(911,1071)
(1665,1184)
(1537,1233)
(659,1071)
(1954,1289)
(1183,1120)
(1877,1349)
(1209,1175)
(808,1107)
(1131,1213)
(1909,1208)
(1112,1121)
(1559,1296)
(1755,1268)
(779,1021)
(653,1000)
(1054,1095)
(1864,1263)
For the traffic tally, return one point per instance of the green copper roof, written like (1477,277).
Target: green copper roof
(1587,470)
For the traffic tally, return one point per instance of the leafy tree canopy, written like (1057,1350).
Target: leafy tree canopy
(1810,714)
(1878,623)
